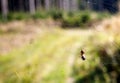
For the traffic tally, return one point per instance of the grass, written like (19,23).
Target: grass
(54,57)
(35,59)
(46,60)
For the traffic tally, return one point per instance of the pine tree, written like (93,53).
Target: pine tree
(61,4)
(47,4)
(66,5)
(21,5)
(38,4)
(4,8)
(73,5)
(32,6)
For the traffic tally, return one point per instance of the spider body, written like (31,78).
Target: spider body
(82,55)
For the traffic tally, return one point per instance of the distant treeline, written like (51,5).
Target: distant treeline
(100,5)
(66,5)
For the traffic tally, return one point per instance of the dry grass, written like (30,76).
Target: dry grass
(16,34)
(111,24)
(48,53)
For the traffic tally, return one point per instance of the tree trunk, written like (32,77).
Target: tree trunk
(61,4)
(119,5)
(32,6)
(57,4)
(4,8)
(66,5)
(82,4)
(89,4)
(47,4)
(100,5)
(38,4)
(21,5)
(73,5)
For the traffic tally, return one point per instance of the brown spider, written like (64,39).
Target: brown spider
(82,55)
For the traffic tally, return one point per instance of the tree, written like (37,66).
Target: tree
(73,5)
(100,4)
(32,6)
(21,5)
(38,4)
(47,4)
(119,5)
(66,5)
(4,8)
(61,4)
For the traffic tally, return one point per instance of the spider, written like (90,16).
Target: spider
(82,55)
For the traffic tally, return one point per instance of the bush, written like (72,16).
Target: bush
(75,20)
(2,19)
(56,14)
(85,18)
(40,15)
(70,22)
(101,16)
(17,16)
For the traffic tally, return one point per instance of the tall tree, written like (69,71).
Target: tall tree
(100,4)
(89,4)
(32,6)
(66,5)
(57,4)
(47,4)
(4,8)
(74,5)
(61,4)
(21,5)
(119,5)
(38,4)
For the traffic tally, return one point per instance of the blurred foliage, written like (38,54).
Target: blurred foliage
(34,63)
(103,61)
(55,14)
(40,15)
(76,19)
(104,15)
(17,16)
(67,19)
(45,60)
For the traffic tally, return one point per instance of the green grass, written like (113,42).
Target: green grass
(31,63)
(47,59)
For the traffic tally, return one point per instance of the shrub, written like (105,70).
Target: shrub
(71,14)
(2,19)
(17,16)
(70,22)
(75,19)
(101,16)
(85,18)
(56,14)
(40,15)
